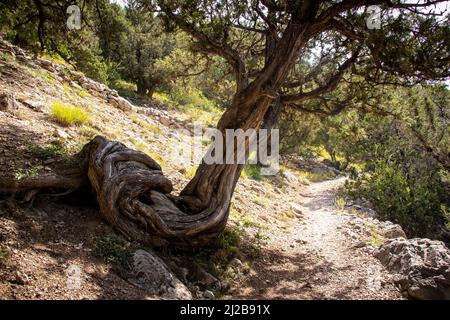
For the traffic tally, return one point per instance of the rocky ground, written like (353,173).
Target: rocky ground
(327,254)
(287,238)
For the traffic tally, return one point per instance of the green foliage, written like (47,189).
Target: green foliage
(253,171)
(190,97)
(21,174)
(51,150)
(229,240)
(412,201)
(68,115)
(5,255)
(114,249)
(258,242)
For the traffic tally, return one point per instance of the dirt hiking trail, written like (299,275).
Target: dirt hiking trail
(320,257)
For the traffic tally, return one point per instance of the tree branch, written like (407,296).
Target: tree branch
(331,84)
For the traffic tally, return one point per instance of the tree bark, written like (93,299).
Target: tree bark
(135,197)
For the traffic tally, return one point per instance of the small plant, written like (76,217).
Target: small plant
(253,171)
(5,255)
(261,201)
(7,56)
(68,115)
(230,239)
(190,173)
(21,174)
(144,124)
(53,149)
(340,203)
(258,242)
(319,177)
(114,249)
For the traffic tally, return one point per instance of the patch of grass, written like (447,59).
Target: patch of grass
(318,177)
(141,146)
(230,239)
(68,115)
(195,106)
(47,151)
(21,174)
(5,255)
(375,239)
(190,173)
(125,88)
(88,132)
(258,242)
(252,171)
(146,125)
(261,201)
(43,75)
(56,58)
(286,216)
(242,218)
(7,56)
(115,249)
(340,203)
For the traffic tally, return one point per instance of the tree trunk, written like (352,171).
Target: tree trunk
(142,87)
(135,197)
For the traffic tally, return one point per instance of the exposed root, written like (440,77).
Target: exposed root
(133,195)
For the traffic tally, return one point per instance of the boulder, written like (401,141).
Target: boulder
(61,134)
(422,266)
(289,176)
(297,209)
(120,103)
(153,275)
(392,231)
(8,102)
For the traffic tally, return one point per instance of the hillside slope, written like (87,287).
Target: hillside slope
(285,239)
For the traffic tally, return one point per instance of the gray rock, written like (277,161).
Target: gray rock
(209,295)
(61,134)
(393,231)
(8,102)
(35,105)
(153,275)
(422,266)
(297,209)
(289,176)
(120,103)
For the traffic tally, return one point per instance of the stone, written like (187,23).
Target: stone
(422,266)
(8,102)
(289,176)
(61,133)
(35,105)
(165,121)
(198,275)
(21,278)
(153,275)
(297,209)
(209,295)
(120,103)
(393,231)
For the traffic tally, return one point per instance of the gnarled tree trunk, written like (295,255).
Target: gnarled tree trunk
(135,197)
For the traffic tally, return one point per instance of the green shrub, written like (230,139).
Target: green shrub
(253,171)
(114,249)
(67,115)
(413,201)
(5,255)
(53,149)
(229,239)
(192,97)
(21,174)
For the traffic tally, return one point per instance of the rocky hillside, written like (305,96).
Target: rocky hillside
(287,237)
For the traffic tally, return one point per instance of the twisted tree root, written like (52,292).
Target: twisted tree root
(134,196)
